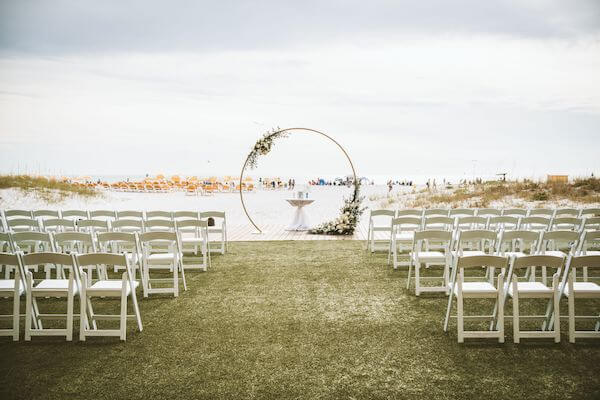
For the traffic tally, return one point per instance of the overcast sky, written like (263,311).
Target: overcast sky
(410,88)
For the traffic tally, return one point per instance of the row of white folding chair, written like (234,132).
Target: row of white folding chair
(71,220)
(482,242)
(493,212)
(132,243)
(510,284)
(77,284)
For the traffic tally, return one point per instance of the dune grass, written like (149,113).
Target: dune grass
(297,320)
(50,190)
(583,191)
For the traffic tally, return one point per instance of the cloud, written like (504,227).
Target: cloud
(64,26)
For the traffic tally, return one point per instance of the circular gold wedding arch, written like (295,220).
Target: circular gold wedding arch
(304,130)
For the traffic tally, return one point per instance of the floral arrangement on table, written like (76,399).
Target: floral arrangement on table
(351,210)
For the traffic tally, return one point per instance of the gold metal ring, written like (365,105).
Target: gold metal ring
(305,130)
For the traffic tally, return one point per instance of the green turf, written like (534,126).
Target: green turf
(282,320)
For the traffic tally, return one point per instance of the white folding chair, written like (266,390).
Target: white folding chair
(469,223)
(582,290)
(169,261)
(106,215)
(589,213)
(518,243)
(128,225)
(504,223)
(409,212)
(123,288)
(159,215)
(126,243)
(436,212)
(130,214)
(541,212)
(461,212)
(219,227)
(53,287)
(75,214)
(74,242)
(23,225)
(438,223)
(45,214)
(32,242)
(59,225)
(534,290)
(179,215)
(162,225)
(477,289)
(567,212)
(379,221)
(539,224)
(591,224)
(12,288)
(566,223)
(419,255)
(489,212)
(93,226)
(195,243)
(12,214)
(515,212)
(402,234)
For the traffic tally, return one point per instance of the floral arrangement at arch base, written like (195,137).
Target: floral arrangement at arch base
(351,210)
(346,223)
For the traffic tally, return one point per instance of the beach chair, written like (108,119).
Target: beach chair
(50,287)
(379,221)
(420,256)
(12,288)
(477,288)
(123,288)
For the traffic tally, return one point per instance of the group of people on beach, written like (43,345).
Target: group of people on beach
(391,183)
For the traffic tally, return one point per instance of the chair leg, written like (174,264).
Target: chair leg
(83,309)
(28,308)
(16,307)
(556,315)
(500,321)
(123,319)
(571,317)
(70,302)
(417,278)
(516,327)
(460,319)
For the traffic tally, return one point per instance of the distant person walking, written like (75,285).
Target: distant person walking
(390,186)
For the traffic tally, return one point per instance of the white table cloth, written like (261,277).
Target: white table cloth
(300,221)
